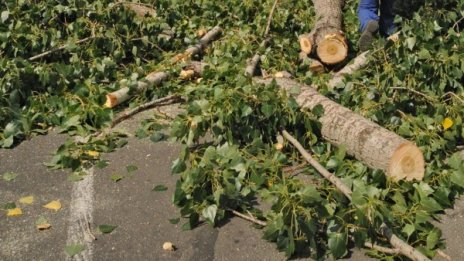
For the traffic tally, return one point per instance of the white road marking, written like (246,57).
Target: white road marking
(81,216)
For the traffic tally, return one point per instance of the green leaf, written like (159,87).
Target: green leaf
(4,16)
(157,136)
(9,205)
(9,176)
(101,164)
(160,188)
(106,229)
(209,213)
(318,110)
(174,221)
(116,177)
(433,238)
(178,166)
(74,177)
(131,168)
(409,229)
(74,249)
(337,244)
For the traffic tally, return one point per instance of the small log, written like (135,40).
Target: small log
(327,35)
(123,94)
(368,142)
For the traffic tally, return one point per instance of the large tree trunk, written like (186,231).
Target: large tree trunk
(368,142)
(327,35)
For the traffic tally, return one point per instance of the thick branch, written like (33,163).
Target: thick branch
(370,143)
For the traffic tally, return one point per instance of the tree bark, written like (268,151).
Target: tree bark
(198,48)
(368,142)
(327,35)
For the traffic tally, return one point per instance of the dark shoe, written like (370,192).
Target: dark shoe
(367,36)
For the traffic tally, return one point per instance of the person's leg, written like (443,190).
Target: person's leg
(387,17)
(368,10)
(369,20)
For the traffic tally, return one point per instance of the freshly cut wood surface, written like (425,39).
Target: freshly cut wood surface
(368,142)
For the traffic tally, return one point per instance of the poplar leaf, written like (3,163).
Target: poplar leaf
(447,123)
(26,200)
(14,212)
(53,205)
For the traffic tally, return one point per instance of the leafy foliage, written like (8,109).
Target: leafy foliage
(410,87)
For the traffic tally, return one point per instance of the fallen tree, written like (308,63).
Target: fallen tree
(327,36)
(368,142)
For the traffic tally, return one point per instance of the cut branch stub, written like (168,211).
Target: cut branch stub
(306,43)
(368,142)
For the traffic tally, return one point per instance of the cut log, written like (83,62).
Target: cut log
(123,94)
(327,35)
(368,142)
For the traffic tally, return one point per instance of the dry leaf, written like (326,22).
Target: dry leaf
(42,224)
(186,74)
(54,205)
(168,246)
(201,32)
(447,123)
(279,146)
(92,153)
(14,212)
(26,200)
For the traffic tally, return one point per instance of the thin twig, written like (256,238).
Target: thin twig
(385,250)
(452,94)
(249,218)
(415,92)
(442,254)
(269,19)
(403,247)
(162,101)
(254,62)
(64,46)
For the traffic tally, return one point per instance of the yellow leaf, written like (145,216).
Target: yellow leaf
(92,153)
(447,123)
(26,200)
(14,212)
(54,205)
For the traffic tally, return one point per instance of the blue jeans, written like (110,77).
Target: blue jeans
(369,10)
